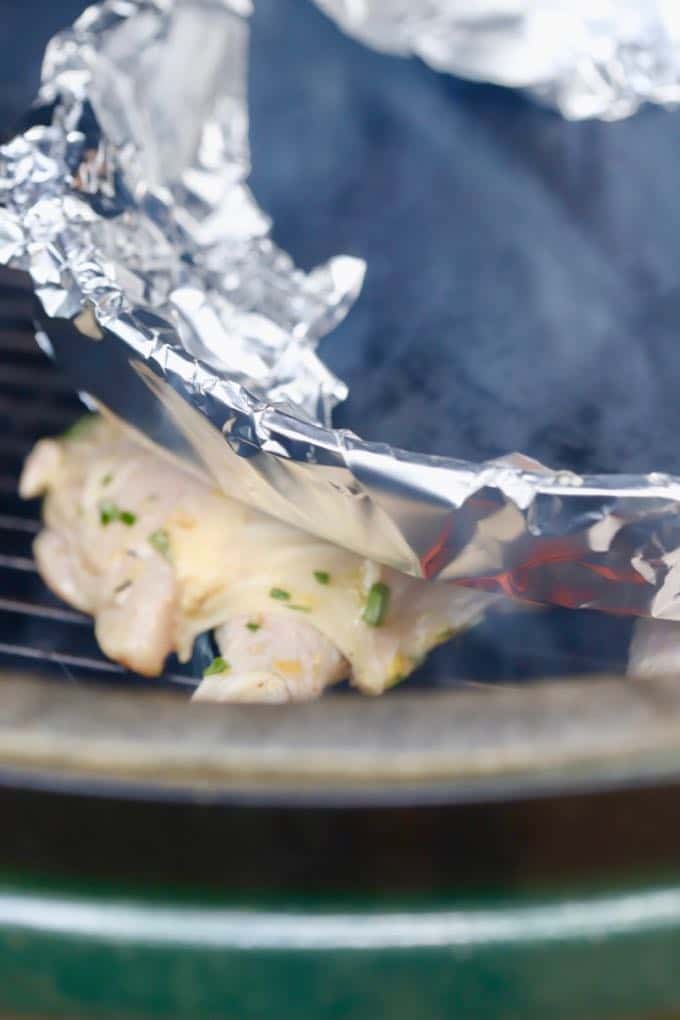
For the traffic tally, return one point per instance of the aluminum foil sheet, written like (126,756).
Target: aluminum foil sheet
(589,58)
(159,292)
(134,196)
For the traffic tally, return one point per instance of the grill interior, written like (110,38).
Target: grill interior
(36,629)
(38,632)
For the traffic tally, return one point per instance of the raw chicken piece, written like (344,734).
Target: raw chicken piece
(158,556)
(274,658)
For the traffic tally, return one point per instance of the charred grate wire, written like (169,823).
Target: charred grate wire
(37,631)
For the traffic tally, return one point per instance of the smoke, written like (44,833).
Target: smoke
(522,287)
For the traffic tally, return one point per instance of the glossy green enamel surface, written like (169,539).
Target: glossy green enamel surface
(93,956)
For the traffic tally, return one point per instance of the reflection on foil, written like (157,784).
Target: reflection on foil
(133,202)
(161,295)
(590,58)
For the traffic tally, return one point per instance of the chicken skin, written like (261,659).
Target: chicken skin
(158,556)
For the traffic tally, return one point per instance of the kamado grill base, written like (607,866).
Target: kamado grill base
(483,854)
(404,858)
(556,907)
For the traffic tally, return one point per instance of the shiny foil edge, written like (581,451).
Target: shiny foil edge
(587,60)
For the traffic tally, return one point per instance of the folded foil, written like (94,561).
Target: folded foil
(159,292)
(589,58)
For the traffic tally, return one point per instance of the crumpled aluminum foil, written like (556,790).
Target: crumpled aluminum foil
(589,58)
(160,294)
(135,197)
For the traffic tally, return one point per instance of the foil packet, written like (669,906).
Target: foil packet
(588,58)
(160,294)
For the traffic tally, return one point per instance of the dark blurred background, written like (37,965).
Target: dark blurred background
(522,288)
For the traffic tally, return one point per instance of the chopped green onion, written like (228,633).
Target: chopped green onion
(160,540)
(109,512)
(377,605)
(218,665)
(322,576)
(80,427)
(299,609)
(251,625)
(107,479)
(279,593)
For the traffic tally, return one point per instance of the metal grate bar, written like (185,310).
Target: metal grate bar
(16,306)
(45,413)
(9,523)
(15,289)
(86,663)
(46,612)
(34,375)
(58,639)
(15,339)
(60,658)
(18,563)
(18,324)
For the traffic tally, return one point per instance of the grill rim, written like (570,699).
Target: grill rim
(141,744)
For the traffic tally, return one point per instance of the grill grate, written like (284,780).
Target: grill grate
(39,632)
(36,629)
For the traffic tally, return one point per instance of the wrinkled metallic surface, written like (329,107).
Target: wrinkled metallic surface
(590,58)
(161,295)
(136,196)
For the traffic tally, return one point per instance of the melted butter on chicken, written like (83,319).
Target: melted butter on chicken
(157,557)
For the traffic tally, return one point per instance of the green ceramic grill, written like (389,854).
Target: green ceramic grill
(468,851)
(477,852)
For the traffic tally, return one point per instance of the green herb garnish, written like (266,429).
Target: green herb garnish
(107,479)
(218,665)
(299,609)
(279,593)
(160,540)
(322,576)
(109,513)
(251,625)
(80,427)
(377,604)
